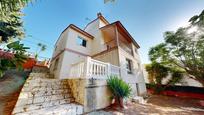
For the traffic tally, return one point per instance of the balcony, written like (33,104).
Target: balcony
(115,35)
(90,68)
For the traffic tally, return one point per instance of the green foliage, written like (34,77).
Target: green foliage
(8,6)
(183,50)
(198,19)
(119,88)
(11,25)
(156,72)
(17,60)
(11,28)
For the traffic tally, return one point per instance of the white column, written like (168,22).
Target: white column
(87,67)
(108,69)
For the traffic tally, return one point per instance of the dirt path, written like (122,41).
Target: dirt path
(10,86)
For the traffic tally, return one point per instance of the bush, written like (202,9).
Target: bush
(119,88)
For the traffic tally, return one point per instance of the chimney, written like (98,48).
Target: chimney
(99,14)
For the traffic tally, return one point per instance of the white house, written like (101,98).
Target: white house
(97,51)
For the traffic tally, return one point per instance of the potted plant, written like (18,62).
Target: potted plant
(119,89)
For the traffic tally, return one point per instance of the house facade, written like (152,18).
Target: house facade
(99,50)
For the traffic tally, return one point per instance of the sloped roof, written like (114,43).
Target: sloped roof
(72,26)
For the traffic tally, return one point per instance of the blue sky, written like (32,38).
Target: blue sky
(146,20)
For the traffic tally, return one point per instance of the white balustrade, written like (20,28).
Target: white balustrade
(91,68)
(77,70)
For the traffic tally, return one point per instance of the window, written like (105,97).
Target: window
(81,41)
(129,66)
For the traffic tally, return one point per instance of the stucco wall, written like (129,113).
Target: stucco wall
(109,57)
(71,42)
(136,79)
(66,42)
(98,42)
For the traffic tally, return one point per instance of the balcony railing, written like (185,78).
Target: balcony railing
(91,68)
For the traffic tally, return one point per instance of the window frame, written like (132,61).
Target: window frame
(81,41)
(128,65)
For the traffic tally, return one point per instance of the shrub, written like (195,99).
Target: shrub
(119,88)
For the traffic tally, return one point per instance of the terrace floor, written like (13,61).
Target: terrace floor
(158,105)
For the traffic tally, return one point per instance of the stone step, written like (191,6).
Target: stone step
(65,109)
(47,80)
(52,98)
(34,100)
(41,105)
(45,89)
(43,93)
(49,92)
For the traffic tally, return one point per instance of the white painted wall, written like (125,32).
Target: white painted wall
(98,42)
(68,39)
(137,75)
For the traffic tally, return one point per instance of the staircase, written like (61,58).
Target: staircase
(42,95)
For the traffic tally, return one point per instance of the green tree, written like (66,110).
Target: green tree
(11,25)
(183,50)
(198,20)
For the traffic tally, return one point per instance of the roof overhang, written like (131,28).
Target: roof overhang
(72,26)
(122,29)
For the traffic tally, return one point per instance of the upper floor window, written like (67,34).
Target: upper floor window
(129,66)
(81,41)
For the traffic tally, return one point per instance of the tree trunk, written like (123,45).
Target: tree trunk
(119,102)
